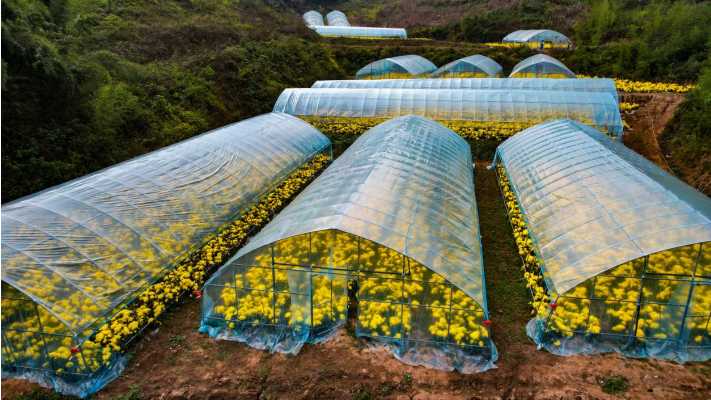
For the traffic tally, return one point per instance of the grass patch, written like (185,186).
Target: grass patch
(615,384)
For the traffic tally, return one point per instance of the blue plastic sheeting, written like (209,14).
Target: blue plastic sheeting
(77,252)
(409,64)
(536,35)
(602,85)
(541,65)
(597,109)
(313,18)
(600,214)
(337,18)
(476,64)
(405,187)
(360,32)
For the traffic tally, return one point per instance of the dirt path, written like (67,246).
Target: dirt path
(177,362)
(647,123)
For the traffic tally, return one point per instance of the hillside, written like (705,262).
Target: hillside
(87,84)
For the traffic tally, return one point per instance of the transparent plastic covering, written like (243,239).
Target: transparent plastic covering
(360,32)
(537,35)
(541,65)
(337,18)
(313,18)
(602,85)
(408,65)
(624,247)
(592,204)
(596,109)
(82,248)
(394,218)
(476,65)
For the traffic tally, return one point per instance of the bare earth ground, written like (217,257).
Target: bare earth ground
(647,123)
(176,362)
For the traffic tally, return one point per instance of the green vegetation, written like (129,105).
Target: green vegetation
(687,138)
(615,384)
(87,84)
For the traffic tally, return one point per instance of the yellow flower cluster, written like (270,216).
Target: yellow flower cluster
(630,86)
(628,107)
(472,130)
(390,75)
(532,45)
(37,339)
(392,290)
(453,75)
(539,75)
(531,267)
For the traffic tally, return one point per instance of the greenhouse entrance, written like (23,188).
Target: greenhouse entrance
(303,288)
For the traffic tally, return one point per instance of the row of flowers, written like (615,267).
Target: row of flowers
(531,268)
(630,86)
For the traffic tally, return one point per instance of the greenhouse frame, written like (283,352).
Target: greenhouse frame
(596,109)
(623,246)
(603,85)
(537,36)
(392,224)
(360,32)
(541,66)
(408,66)
(76,254)
(337,18)
(476,66)
(313,19)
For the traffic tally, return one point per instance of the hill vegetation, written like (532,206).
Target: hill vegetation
(89,83)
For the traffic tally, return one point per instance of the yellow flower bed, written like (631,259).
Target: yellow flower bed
(539,75)
(629,86)
(454,75)
(628,107)
(531,265)
(620,289)
(390,75)
(65,355)
(532,45)
(472,130)
(389,294)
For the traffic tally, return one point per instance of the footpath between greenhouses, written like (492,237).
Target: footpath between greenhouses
(176,361)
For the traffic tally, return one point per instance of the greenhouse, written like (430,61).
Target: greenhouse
(391,226)
(541,66)
(537,36)
(523,107)
(603,85)
(617,252)
(337,18)
(76,254)
(313,19)
(476,66)
(360,32)
(408,66)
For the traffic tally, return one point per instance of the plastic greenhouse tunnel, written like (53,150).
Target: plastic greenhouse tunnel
(391,226)
(313,18)
(541,66)
(603,85)
(409,66)
(470,108)
(337,18)
(76,254)
(617,252)
(537,36)
(360,32)
(476,66)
